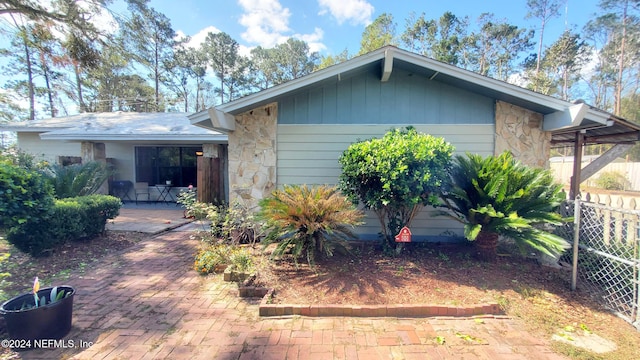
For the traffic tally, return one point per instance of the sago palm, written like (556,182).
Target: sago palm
(309,221)
(78,179)
(497,195)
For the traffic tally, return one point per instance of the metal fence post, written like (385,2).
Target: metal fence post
(576,238)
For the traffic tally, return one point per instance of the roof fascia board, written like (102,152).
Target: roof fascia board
(222,121)
(598,116)
(292,85)
(387,65)
(570,117)
(31,129)
(131,137)
(481,80)
(201,119)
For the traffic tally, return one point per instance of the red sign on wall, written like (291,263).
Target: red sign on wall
(404,235)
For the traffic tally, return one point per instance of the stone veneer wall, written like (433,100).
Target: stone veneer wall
(520,131)
(252,156)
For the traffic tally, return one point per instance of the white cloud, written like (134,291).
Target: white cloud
(198,38)
(266,22)
(313,40)
(244,50)
(354,11)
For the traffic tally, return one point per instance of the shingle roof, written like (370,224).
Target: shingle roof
(117,126)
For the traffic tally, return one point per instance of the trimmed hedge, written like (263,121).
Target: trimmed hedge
(97,209)
(78,218)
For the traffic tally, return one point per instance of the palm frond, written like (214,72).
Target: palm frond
(499,194)
(309,221)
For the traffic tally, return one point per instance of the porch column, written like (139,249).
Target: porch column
(209,174)
(577,165)
(91,151)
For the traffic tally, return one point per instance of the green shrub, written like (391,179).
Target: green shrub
(499,195)
(35,237)
(71,219)
(612,180)
(239,225)
(235,224)
(309,221)
(396,176)
(189,201)
(25,195)
(97,209)
(77,179)
(21,159)
(212,258)
(68,220)
(242,260)
(209,258)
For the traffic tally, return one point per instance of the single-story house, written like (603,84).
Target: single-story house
(295,132)
(151,148)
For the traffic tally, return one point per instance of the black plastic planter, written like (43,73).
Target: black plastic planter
(51,321)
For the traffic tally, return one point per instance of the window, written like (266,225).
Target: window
(69,160)
(156,165)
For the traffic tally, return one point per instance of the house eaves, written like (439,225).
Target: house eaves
(21,128)
(220,138)
(557,113)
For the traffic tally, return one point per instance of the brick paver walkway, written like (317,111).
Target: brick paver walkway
(147,303)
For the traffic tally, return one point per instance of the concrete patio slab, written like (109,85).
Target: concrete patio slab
(148,219)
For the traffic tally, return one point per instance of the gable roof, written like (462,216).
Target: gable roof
(118,126)
(559,115)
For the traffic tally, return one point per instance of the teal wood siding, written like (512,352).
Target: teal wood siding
(405,99)
(308,154)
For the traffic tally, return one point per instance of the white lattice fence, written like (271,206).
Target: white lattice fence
(608,255)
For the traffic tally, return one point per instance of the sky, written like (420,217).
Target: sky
(330,26)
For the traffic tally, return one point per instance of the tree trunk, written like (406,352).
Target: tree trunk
(32,99)
(486,246)
(45,71)
(618,95)
(83,106)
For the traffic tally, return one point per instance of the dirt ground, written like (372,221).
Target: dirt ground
(436,274)
(450,275)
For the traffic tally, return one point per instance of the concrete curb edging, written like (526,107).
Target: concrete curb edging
(408,310)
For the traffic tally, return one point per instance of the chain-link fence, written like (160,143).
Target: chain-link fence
(608,257)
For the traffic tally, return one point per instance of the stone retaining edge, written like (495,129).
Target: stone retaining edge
(408,310)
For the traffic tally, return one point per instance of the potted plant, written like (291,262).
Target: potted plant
(43,314)
(496,196)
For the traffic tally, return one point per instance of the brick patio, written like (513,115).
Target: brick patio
(147,303)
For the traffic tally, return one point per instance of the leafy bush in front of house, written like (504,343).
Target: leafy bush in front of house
(25,195)
(21,159)
(234,224)
(612,180)
(497,195)
(34,237)
(71,219)
(96,210)
(239,224)
(68,220)
(214,258)
(78,179)
(396,176)
(309,221)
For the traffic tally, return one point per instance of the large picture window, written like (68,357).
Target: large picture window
(158,164)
